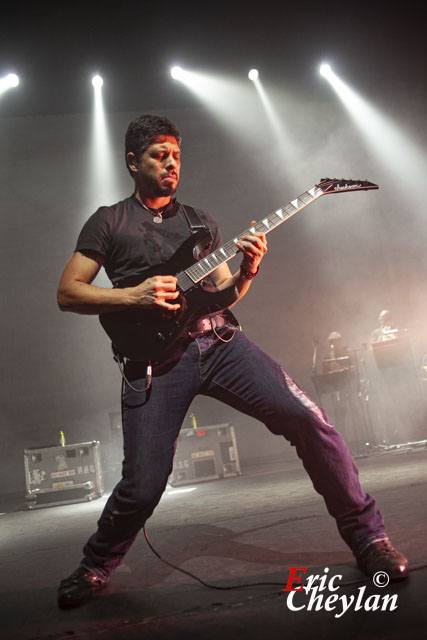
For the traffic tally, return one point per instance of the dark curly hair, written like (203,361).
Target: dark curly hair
(144,130)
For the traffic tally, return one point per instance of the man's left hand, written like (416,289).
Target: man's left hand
(254,247)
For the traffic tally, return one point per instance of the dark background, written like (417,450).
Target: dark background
(332,267)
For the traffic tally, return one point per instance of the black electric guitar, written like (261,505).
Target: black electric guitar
(145,335)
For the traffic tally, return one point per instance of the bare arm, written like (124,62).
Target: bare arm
(77,293)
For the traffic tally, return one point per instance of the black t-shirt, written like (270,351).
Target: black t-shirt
(129,240)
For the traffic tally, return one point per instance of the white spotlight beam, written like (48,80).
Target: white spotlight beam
(102,172)
(224,97)
(395,150)
(284,142)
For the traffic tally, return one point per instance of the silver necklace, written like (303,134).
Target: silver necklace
(158,218)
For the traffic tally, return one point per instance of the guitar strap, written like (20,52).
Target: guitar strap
(193,219)
(196,223)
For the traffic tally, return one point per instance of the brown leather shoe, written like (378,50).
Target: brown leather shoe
(78,588)
(382,556)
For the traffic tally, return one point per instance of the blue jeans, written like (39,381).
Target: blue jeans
(240,374)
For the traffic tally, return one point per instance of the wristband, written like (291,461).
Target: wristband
(247,275)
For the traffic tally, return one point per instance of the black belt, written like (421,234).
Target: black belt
(206,324)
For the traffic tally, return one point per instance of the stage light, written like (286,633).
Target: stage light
(325,70)
(177,73)
(8,82)
(12,80)
(253,74)
(97,81)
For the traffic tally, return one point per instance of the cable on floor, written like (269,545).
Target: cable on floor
(249,584)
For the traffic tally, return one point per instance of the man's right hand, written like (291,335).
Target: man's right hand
(77,293)
(156,292)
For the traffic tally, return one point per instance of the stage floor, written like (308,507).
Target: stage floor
(234,531)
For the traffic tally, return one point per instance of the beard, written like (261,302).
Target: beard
(155,189)
(167,190)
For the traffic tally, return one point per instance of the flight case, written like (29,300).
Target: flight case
(63,474)
(206,453)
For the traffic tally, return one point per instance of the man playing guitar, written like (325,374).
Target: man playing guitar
(208,355)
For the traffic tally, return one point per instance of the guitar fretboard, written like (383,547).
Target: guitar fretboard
(199,270)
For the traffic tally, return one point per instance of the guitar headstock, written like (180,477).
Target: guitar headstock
(338,185)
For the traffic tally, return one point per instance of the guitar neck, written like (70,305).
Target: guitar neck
(199,270)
